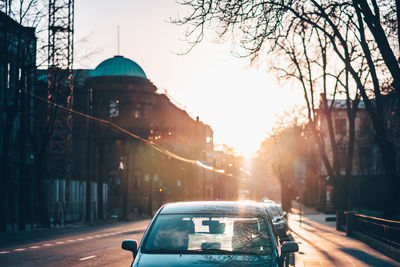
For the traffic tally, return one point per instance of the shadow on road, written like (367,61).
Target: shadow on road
(326,254)
(357,254)
(367,258)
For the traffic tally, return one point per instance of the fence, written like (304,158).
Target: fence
(61,213)
(386,231)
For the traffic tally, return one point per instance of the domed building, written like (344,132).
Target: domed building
(126,173)
(118,66)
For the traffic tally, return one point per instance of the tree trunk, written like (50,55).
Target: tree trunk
(41,199)
(351,115)
(23,174)
(391,209)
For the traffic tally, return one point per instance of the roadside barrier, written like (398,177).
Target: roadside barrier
(384,230)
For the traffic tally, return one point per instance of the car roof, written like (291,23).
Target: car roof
(269,204)
(246,208)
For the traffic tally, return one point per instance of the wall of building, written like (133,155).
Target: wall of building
(17,75)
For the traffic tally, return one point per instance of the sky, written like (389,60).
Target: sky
(238,101)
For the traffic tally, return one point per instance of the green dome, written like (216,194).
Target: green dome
(118,66)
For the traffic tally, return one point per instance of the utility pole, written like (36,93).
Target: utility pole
(89,158)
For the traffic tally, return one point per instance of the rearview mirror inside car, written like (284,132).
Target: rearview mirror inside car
(215,227)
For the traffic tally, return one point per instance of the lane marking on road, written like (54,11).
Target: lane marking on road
(63,242)
(87,258)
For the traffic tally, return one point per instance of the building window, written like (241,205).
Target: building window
(137,114)
(363,127)
(340,126)
(114,108)
(208,139)
(365,163)
(8,75)
(341,149)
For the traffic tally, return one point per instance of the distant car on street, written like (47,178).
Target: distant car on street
(279,219)
(208,234)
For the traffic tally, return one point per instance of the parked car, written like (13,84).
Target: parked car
(208,234)
(279,219)
(285,216)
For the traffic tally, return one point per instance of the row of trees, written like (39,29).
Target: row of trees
(278,152)
(346,49)
(22,130)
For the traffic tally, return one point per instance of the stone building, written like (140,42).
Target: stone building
(367,176)
(129,174)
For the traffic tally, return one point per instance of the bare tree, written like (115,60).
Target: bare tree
(19,54)
(262,25)
(309,61)
(279,152)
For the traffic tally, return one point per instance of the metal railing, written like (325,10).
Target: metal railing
(384,230)
(61,213)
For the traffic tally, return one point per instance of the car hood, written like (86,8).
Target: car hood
(154,260)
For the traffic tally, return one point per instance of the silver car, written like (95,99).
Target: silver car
(208,234)
(279,220)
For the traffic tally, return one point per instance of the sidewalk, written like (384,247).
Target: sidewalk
(304,209)
(320,244)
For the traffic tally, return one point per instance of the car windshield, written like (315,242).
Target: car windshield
(208,234)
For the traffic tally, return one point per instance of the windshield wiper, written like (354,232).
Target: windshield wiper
(163,251)
(213,251)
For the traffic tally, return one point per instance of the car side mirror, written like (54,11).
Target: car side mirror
(284,215)
(130,245)
(289,247)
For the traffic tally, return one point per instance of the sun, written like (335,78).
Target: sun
(241,107)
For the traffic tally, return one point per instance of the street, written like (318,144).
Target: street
(320,244)
(111,109)
(100,247)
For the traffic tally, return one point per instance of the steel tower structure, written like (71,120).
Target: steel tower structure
(60,88)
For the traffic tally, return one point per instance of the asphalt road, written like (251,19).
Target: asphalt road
(83,247)
(320,245)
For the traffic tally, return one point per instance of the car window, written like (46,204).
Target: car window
(207,234)
(279,207)
(273,211)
